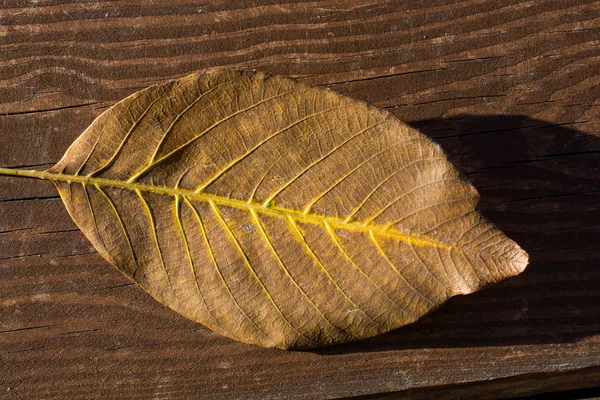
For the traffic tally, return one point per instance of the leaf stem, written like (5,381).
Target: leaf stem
(25,173)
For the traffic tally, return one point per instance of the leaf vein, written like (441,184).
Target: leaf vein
(249,152)
(121,223)
(191,260)
(281,212)
(320,159)
(312,254)
(404,195)
(384,254)
(352,171)
(287,272)
(111,160)
(150,216)
(153,163)
(362,203)
(441,203)
(349,258)
(87,158)
(251,269)
(182,113)
(443,287)
(217,269)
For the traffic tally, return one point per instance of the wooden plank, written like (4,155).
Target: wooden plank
(509,89)
(514,387)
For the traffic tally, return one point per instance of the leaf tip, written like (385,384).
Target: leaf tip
(521,261)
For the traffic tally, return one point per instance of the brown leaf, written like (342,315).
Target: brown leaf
(276,213)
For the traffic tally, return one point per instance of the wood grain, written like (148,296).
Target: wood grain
(509,89)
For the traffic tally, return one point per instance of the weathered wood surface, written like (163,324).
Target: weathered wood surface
(510,90)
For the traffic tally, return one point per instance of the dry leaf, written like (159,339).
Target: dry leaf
(276,213)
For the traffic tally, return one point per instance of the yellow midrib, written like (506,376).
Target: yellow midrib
(414,239)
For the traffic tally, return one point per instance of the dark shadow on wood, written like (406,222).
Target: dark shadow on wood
(540,184)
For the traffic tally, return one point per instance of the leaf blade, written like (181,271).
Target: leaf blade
(384,209)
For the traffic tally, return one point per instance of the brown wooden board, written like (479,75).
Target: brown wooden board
(511,90)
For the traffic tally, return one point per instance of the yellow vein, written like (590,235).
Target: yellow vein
(181,177)
(442,286)
(498,233)
(487,267)
(486,240)
(150,216)
(217,269)
(121,223)
(249,152)
(470,264)
(89,203)
(498,249)
(476,270)
(280,212)
(348,174)
(448,221)
(70,190)
(503,249)
(383,253)
(469,230)
(460,274)
(310,252)
(182,113)
(251,197)
(336,240)
(362,203)
(136,123)
(439,257)
(152,163)
(251,269)
(404,195)
(317,161)
(287,272)
(189,256)
(88,156)
(441,203)
(336,183)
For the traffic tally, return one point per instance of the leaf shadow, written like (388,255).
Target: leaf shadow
(539,183)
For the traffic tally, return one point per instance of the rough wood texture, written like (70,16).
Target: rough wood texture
(510,90)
